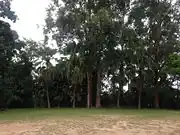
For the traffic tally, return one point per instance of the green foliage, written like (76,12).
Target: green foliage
(134,43)
(75,69)
(7,46)
(173,67)
(5,10)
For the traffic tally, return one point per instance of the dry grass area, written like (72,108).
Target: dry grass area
(92,125)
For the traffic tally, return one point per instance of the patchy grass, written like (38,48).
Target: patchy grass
(35,114)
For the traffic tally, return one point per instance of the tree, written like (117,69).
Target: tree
(41,55)
(75,73)
(20,81)
(7,46)
(46,53)
(5,10)
(94,25)
(155,22)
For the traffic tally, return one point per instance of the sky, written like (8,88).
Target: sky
(31,15)
(31,18)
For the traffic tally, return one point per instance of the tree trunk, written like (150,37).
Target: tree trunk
(74,97)
(156,92)
(89,90)
(156,99)
(98,98)
(34,100)
(140,86)
(139,98)
(121,82)
(47,96)
(3,98)
(118,98)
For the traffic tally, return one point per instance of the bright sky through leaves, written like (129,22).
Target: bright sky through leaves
(31,14)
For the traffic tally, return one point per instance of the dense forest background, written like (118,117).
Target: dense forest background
(103,46)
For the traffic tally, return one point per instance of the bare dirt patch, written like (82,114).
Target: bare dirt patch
(99,125)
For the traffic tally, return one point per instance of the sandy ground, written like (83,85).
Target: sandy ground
(98,125)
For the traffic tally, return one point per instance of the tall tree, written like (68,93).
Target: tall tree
(41,55)
(159,20)
(7,46)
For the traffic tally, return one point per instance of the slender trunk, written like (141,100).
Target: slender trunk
(48,99)
(59,101)
(121,82)
(89,90)
(140,87)
(34,95)
(34,101)
(139,98)
(118,98)
(3,102)
(156,98)
(98,98)
(156,101)
(74,97)
(156,92)
(140,91)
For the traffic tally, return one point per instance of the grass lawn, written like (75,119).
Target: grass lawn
(29,114)
(89,122)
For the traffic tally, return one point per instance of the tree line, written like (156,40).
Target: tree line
(102,46)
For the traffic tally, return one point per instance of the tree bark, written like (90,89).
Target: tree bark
(74,96)
(48,99)
(139,98)
(121,82)
(98,98)
(140,87)
(118,98)
(156,92)
(89,90)
(34,100)
(156,98)
(140,92)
